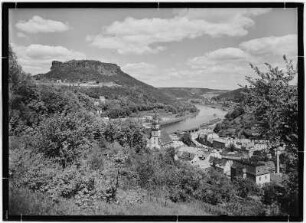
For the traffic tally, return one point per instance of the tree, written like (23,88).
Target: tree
(186,138)
(25,105)
(65,138)
(15,70)
(246,187)
(274,102)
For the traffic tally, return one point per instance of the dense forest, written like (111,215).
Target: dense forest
(64,160)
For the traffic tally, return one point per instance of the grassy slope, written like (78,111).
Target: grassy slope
(25,202)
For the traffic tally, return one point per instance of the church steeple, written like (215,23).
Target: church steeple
(155,123)
(155,133)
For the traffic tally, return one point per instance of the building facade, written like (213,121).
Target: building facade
(223,166)
(219,143)
(257,172)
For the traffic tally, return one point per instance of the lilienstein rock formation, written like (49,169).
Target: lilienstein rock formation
(83,71)
(89,70)
(107,69)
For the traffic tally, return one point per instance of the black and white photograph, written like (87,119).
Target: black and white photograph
(153,109)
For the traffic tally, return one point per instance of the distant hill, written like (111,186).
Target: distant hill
(89,70)
(187,93)
(235,95)
(95,78)
(84,71)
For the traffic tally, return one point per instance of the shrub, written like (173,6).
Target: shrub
(64,138)
(246,187)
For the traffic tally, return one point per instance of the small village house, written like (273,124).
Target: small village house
(219,143)
(222,165)
(102,99)
(256,171)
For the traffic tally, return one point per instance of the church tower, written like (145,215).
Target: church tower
(155,133)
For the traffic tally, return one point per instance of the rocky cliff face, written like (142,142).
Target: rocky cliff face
(84,71)
(107,69)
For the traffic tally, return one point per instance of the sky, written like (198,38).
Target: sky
(191,47)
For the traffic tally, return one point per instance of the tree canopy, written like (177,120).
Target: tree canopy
(273,100)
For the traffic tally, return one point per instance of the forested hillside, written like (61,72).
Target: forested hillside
(235,95)
(126,95)
(190,93)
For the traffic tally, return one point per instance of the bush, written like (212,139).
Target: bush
(65,138)
(246,187)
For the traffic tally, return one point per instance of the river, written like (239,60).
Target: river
(205,115)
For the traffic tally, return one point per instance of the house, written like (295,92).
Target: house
(271,166)
(102,99)
(215,153)
(222,166)
(260,146)
(219,143)
(258,172)
(211,136)
(207,138)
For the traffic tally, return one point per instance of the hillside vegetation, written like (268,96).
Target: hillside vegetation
(190,93)
(269,110)
(127,96)
(234,95)
(64,160)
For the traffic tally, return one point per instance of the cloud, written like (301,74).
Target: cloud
(232,64)
(221,56)
(139,36)
(272,45)
(21,35)
(222,68)
(221,15)
(38,24)
(37,58)
(37,51)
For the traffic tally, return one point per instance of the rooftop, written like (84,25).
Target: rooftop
(219,140)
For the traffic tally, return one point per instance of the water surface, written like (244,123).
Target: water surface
(205,115)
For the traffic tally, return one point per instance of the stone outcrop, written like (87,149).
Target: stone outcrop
(102,68)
